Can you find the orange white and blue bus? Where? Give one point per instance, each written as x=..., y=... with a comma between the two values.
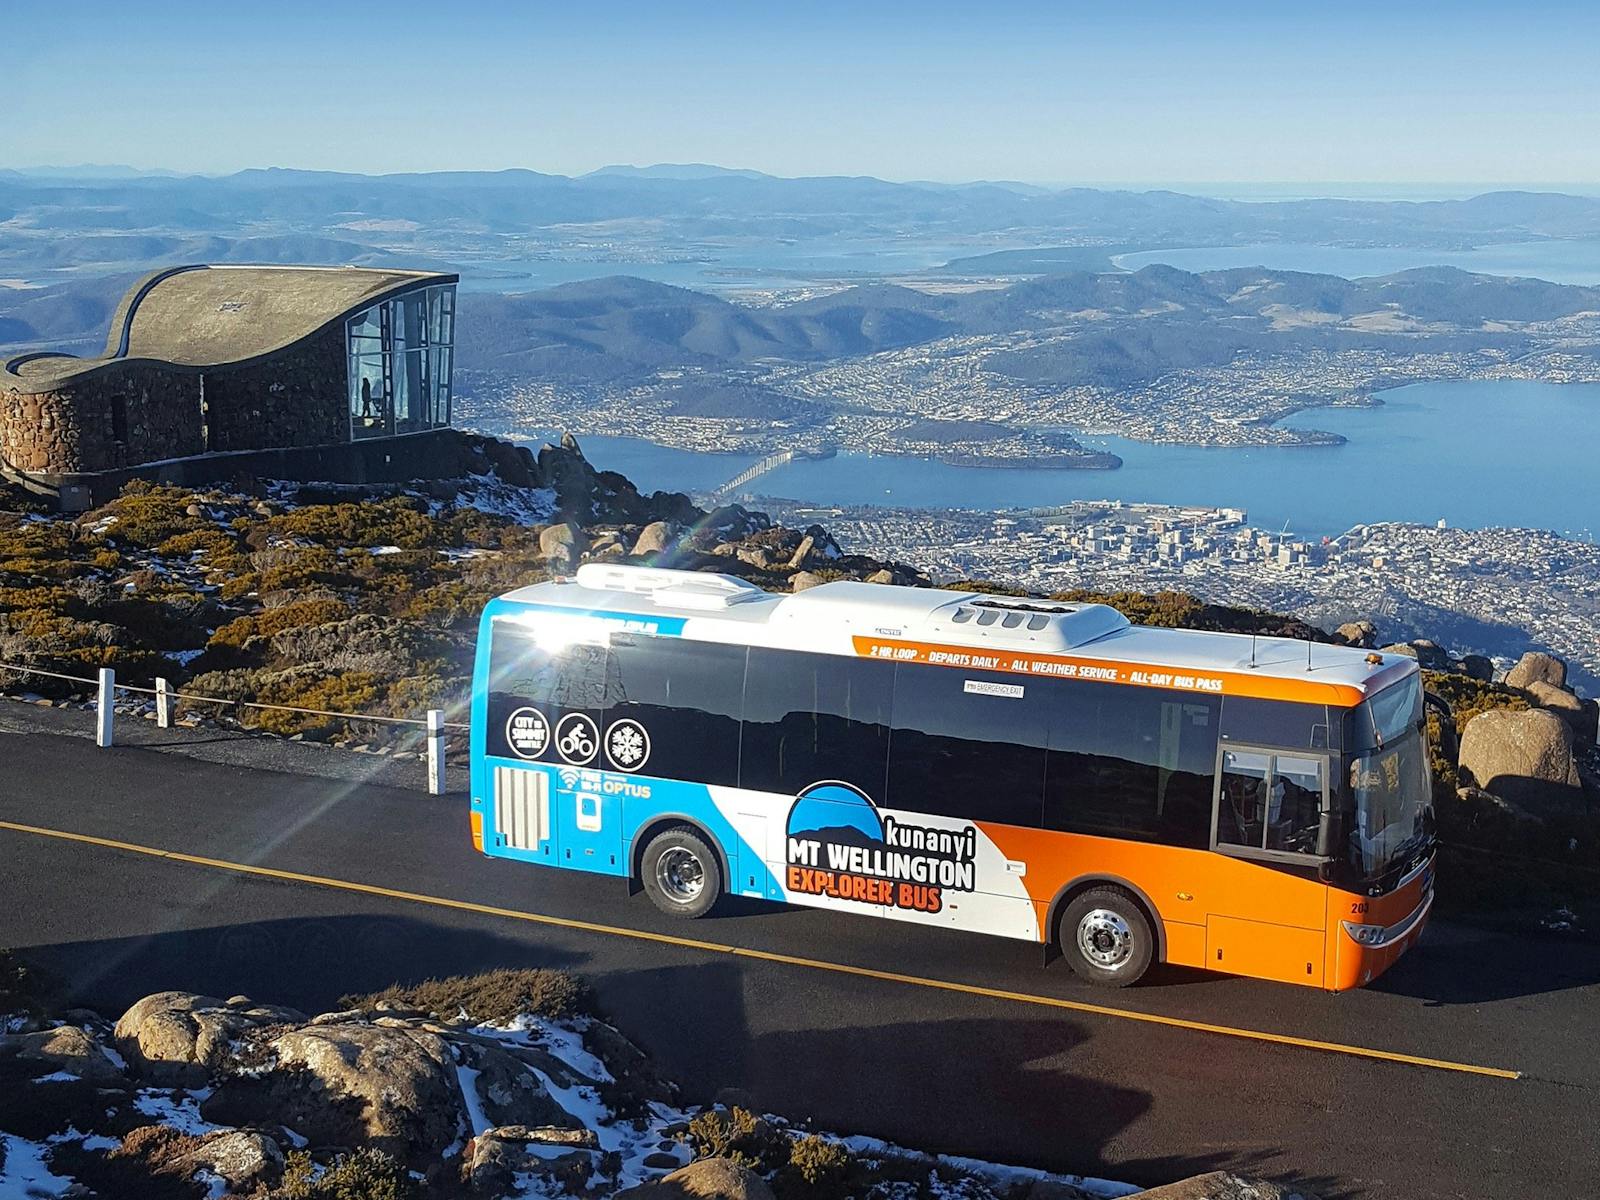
x=1037, y=770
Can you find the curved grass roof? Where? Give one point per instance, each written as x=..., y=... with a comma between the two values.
x=195, y=317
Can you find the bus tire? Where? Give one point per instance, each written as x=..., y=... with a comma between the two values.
x=1106, y=938
x=680, y=873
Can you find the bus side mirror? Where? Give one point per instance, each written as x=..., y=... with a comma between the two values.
x=1328, y=833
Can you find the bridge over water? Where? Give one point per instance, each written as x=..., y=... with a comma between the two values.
x=768, y=464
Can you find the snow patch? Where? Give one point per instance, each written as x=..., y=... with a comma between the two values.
x=467, y=1080
x=25, y=1172
x=181, y=1110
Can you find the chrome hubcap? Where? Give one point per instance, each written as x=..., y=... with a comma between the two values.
x=680, y=875
x=1105, y=939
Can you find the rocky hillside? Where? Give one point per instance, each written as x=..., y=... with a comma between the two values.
x=345, y=598
x=486, y=1088
x=366, y=600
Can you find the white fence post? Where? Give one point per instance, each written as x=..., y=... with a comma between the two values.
x=107, y=707
x=163, y=704
x=435, y=752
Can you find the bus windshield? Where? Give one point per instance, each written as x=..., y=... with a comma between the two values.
x=1390, y=782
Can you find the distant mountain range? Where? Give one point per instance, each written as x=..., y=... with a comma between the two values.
x=699, y=200
x=1125, y=326
x=1132, y=325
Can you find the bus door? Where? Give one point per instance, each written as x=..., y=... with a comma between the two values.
x=1268, y=915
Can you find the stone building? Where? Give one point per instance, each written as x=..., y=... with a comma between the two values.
x=272, y=370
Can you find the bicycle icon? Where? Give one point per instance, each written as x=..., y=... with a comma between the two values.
x=577, y=739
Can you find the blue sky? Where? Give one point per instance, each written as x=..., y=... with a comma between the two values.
x=1060, y=92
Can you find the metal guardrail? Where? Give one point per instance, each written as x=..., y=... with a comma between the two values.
x=106, y=687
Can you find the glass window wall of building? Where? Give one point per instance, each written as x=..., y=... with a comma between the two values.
x=401, y=354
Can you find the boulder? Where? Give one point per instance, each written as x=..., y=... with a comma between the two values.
x=654, y=538
x=65, y=1049
x=509, y=1093
x=822, y=544
x=803, y=552
x=1429, y=654
x=1537, y=667
x=1563, y=703
x=704, y=1179
x=635, y=1074
x=1433, y=656
x=1357, y=633
x=565, y=470
x=732, y=522
x=1478, y=667
x=340, y=1085
x=1221, y=1185
x=240, y=1158
x=561, y=545
x=883, y=575
x=801, y=580
x=181, y=1037
x=755, y=556
x=496, y=1157
x=1524, y=757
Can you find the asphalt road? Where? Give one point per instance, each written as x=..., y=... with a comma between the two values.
x=961, y=1070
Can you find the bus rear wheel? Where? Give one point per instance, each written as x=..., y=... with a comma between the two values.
x=1106, y=938
x=680, y=873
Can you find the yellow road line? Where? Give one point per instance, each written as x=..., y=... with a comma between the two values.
x=943, y=985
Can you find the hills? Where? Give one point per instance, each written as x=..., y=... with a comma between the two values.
x=1129, y=325
x=1121, y=327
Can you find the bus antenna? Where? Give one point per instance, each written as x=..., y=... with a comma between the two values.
x=1252, y=650
x=1308, y=656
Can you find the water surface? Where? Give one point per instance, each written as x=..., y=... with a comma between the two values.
x=1471, y=453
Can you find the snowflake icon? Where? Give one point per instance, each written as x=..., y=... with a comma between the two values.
x=627, y=745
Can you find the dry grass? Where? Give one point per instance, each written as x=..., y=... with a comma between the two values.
x=492, y=996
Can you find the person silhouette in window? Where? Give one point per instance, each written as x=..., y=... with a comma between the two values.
x=367, y=415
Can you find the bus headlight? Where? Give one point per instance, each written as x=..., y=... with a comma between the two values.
x=1367, y=935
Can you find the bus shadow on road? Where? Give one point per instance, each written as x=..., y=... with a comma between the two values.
x=870, y=1059
x=305, y=963
x=1459, y=964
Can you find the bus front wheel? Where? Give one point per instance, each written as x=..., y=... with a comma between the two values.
x=680, y=873
x=1106, y=938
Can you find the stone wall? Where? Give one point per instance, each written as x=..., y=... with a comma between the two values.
x=295, y=398
x=75, y=427
x=433, y=454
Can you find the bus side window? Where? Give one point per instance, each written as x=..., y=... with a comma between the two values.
x=1131, y=762
x=968, y=744
x=1270, y=801
x=687, y=696
x=524, y=674
x=1241, y=818
x=812, y=717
